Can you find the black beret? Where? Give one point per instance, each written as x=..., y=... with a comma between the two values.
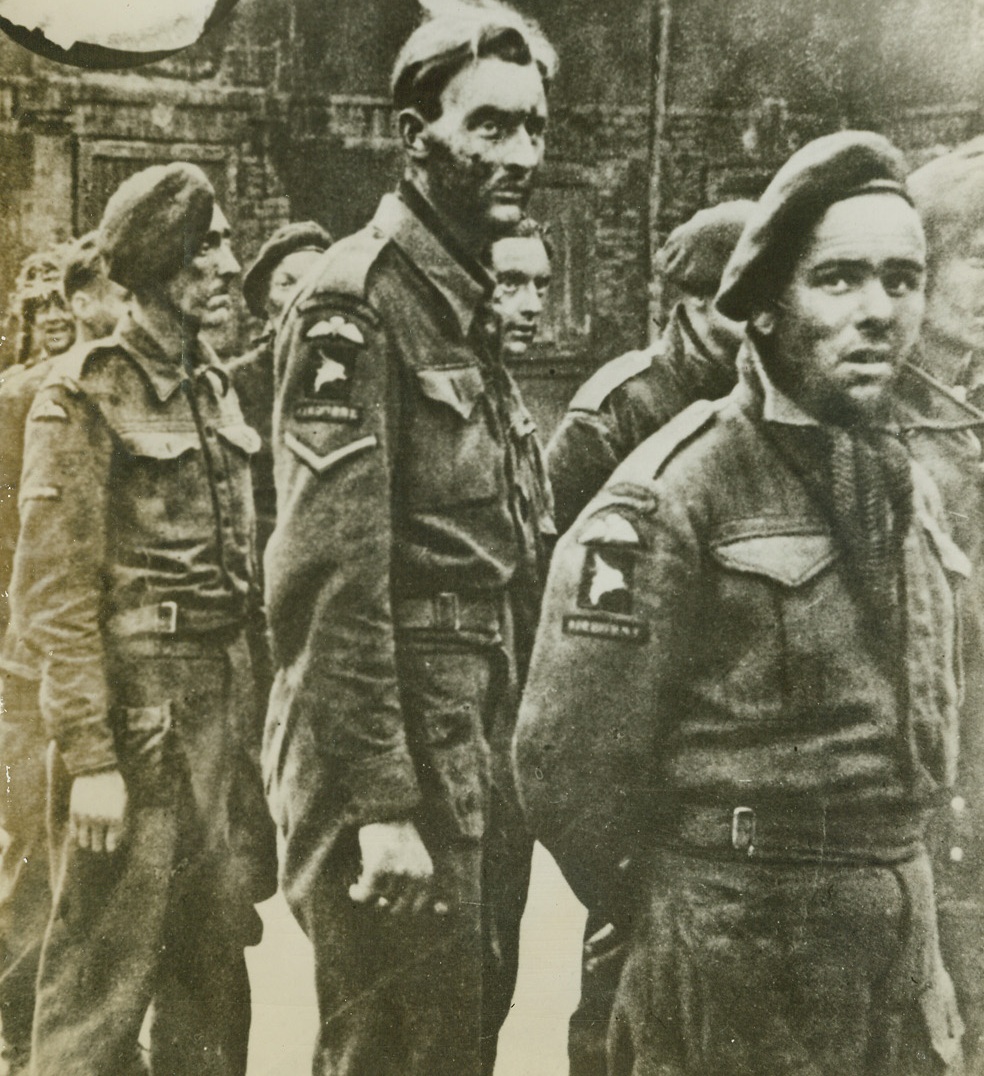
x=949, y=194
x=695, y=253
x=154, y=223
x=827, y=170
x=301, y=235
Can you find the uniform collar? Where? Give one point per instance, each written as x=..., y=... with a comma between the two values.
x=776, y=405
x=163, y=370
x=414, y=225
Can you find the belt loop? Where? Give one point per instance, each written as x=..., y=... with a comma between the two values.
x=447, y=612
x=743, y=830
x=167, y=618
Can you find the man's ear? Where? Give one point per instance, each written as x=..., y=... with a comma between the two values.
x=413, y=133
x=79, y=304
x=763, y=321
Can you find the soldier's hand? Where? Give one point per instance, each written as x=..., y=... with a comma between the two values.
x=603, y=947
x=97, y=810
x=396, y=868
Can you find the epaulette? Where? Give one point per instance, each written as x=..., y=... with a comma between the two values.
x=923, y=402
x=603, y=382
x=71, y=367
x=344, y=267
x=646, y=463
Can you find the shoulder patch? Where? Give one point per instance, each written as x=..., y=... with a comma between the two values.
x=608, y=527
x=336, y=327
x=648, y=461
x=603, y=382
x=334, y=345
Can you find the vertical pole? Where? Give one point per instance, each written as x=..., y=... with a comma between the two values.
x=660, y=23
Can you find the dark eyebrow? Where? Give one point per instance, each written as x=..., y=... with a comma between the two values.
x=500, y=115
x=866, y=263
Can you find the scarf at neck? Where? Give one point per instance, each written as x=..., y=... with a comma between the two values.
x=860, y=477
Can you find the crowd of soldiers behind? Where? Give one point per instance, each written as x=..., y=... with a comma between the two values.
x=317, y=589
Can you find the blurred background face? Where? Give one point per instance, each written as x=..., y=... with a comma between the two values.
x=53, y=325
x=721, y=334
x=521, y=268
x=38, y=270
x=98, y=307
x=851, y=312
x=955, y=297
x=285, y=278
x=199, y=291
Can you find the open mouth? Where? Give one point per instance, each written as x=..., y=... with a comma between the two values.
x=870, y=356
x=511, y=195
x=58, y=333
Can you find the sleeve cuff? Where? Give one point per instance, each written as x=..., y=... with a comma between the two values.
x=383, y=789
x=90, y=749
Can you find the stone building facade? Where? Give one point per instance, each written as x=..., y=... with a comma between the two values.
x=660, y=107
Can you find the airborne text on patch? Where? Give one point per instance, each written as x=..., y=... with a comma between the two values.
x=324, y=411
x=630, y=631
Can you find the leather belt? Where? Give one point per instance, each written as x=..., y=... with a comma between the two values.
x=791, y=832
x=451, y=612
x=168, y=618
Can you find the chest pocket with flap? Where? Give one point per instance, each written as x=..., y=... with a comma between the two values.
x=789, y=559
x=776, y=591
x=450, y=454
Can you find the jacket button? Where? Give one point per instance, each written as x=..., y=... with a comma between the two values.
x=956, y=854
x=959, y=804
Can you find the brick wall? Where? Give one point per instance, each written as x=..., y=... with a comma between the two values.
x=285, y=106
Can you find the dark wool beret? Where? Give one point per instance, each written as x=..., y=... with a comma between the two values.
x=695, y=254
x=827, y=170
x=154, y=223
x=949, y=194
x=301, y=235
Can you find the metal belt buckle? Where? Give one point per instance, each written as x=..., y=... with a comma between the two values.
x=447, y=612
x=167, y=618
x=743, y=829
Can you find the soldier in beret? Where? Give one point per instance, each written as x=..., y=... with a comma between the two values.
x=949, y=194
x=745, y=679
x=25, y=896
x=268, y=284
x=407, y=531
x=133, y=578
x=631, y=396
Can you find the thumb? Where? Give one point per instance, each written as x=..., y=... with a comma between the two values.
x=360, y=892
